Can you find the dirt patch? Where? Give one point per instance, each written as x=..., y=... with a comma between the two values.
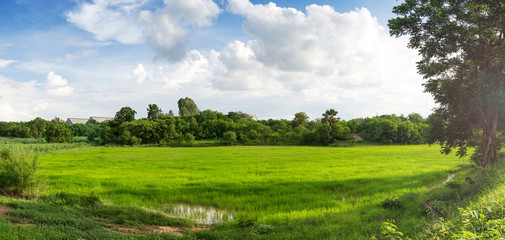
x=4, y=210
x=146, y=229
x=25, y=222
x=125, y=230
x=168, y=229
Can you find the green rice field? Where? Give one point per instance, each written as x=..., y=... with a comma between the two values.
x=294, y=192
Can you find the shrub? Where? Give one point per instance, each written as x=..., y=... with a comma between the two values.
x=189, y=138
x=18, y=172
x=229, y=137
x=59, y=133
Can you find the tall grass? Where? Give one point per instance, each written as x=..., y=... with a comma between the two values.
x=18, y=172
x=40, y=145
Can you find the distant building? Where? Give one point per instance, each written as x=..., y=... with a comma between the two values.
x=101, y=119
x=72, y=121
x=252, y=116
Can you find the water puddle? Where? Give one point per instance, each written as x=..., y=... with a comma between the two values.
x=199, y=214
x=449, y=178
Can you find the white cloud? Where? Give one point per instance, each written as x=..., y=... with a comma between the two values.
x=57, y=85
x=192, y=71
x=345, y=60
x=5, y=63
x=165, y=30
x=17, y=100
x=139, y=73
x=55, y=80
x=109, y=19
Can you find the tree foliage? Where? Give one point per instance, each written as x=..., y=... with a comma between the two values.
x=153, y=111
x=125, y=114
x=462, y=46
x=231, y=128
x=187, y=107
x=58, y=132
x=300, y=119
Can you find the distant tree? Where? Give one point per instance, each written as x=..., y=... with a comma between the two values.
x=125, y=114
x=92, y=121
x=187, y=107
x=235, y=116
x=171, y=113
x=415, y=117
x=58, y=132
x=37, y=127
x=153, y=111
x=300, y=119
x=330, y=117
x=57, y=120
x=230, y=137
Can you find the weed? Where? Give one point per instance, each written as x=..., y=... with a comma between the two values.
x=71, y=199
x=391, y=203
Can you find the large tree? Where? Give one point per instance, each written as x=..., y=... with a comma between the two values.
x=125, y=114
x=153, y=111
x=187, y=107
x=462, y=48
x=300, y=119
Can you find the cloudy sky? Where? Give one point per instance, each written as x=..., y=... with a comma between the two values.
x=81, y=58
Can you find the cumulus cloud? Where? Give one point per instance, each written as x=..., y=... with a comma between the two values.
x=343, y=59
x=139, y=73
x=57, y=85
x=165, y=30
x=109, y=19
x=5, y=63
x=191, y=71
x=17, y=99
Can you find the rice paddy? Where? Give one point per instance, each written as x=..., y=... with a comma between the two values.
x=317, y=191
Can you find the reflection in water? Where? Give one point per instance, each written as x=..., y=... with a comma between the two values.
x=199, y=214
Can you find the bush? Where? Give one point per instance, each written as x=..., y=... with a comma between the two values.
x=230, y=137
x=18, y=172
x=189, y=138
x=59, y=133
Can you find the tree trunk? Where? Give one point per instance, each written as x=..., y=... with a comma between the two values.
x=490, y=123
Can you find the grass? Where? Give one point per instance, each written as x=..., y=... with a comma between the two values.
x=271, y=192
x=40, y=145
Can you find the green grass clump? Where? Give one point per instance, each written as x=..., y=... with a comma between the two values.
x=18, y=172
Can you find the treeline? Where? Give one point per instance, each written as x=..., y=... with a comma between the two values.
x=56, y=130
x=231, y=128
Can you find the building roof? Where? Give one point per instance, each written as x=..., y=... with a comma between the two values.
x=252, y=116
x=73, y=121
x=101, y=119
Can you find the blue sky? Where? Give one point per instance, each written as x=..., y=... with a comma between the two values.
x=89, y=58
